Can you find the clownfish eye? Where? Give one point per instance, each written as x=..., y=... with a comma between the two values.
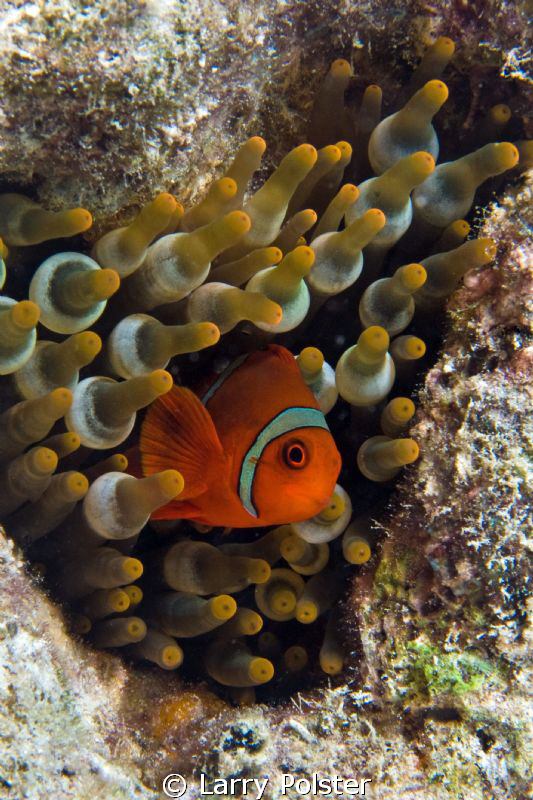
x=295, y=454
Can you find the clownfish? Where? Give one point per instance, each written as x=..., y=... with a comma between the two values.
x=255, y=450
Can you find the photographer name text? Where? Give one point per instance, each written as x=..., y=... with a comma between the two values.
x=254, y=788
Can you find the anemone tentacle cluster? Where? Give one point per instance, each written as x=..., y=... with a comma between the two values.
x=244, y=267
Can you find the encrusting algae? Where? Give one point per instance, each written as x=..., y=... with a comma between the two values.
x=241, y=440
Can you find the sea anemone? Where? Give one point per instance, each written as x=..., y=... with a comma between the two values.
x=166, y=255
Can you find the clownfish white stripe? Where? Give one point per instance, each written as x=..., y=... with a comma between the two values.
x=290, y=419
x=223, y=377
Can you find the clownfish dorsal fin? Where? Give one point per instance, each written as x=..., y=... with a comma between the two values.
x=178, y=433
x=283, y=354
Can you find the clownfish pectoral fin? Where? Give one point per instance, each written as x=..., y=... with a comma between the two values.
x=178, y=433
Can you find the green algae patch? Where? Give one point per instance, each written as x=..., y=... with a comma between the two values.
x=435, y=672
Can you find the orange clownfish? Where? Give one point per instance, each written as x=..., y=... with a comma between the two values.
x=255, y=450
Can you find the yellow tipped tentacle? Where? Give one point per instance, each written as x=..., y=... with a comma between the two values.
x=355, y=547
x=222, y=607
x=124, y=398
x=115, y=463
x=226, y=306
x=525, y=154
x=494, y=122
x=218, y=201
x=124, y=248
x=160, y=649
x=173, y=340
x=72, y=291
x=245, y=622
x=310, y=361
x=365, y=372
x=134, y=593
x=408, y=172
x=31, y=420
x=200, y=568
x=16, y=321
x=81, y=290
x=452, y=236
x=303, y=557
x=319, y=376
x=294, y=229
x=104, y=602
x=118, y=632
x=118, y=506
x=337, y=208
x=434, y=61
x=266, y=548
x=407, y=348
x=331, y=521
x=445, y=270
x=327, y=186
x=388, y=302
x=63, y=444
x=428, y=100
x=319, y=594
x=327, y=158
x=230, y=663
x=187, y=615
x=277, y=597
x=331, y=656
x=411, y=277
x=396, y=416
x=137, y=498
x=293, y=548
x=103, y=410
x=408, y=130
x=284, y=284
x=24, y=222
x=328, y=118
x=102, y=568
x=338, y=258
x=177, y=264
x=18, y=336
x=391, y=192
x=245, y=163
x=362, y=230
x=334, y=509
x=235, y=273
x=140, y=343
x=36, y=520
x=367, y=119
x=57, y=364
x=449, y=192
x=381, y=458
x=268, y=206
x=371, y=346
x=26, y=478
